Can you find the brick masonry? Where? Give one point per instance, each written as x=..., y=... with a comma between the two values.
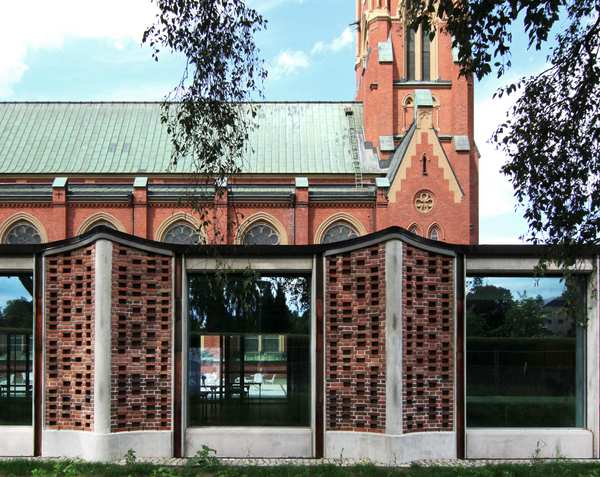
x=355, y=341
x=69, y=323
x=142, y=329
x=428, y=331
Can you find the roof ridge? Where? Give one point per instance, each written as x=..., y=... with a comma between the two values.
x=160, y=102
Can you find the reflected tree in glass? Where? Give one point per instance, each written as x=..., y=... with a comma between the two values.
x=16, y=350
x=248, y=355
x=525, y=352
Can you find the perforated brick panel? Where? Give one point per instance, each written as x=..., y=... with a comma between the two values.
x=355, y=334
x=428, y=330
x=141, y=340
x=69, y=321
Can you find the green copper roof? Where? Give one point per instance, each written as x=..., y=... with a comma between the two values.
x=128, y=138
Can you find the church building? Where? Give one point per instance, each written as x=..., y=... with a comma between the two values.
x=402, y=154
x=337, y=305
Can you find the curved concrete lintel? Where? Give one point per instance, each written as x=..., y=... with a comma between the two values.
x=390, y=449
x=106, y=447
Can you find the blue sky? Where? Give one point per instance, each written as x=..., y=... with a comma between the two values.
x=527, y=287
x=11, y=289
x=74, y=50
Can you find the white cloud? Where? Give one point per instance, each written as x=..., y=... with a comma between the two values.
x=340, y=42
x=28, y=25
x=289, y=62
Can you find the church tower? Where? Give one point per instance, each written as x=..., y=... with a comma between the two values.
x=418, y=117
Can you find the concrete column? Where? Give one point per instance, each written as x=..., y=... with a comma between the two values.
x=393, y=337
x=592, y=351
x=102, y=336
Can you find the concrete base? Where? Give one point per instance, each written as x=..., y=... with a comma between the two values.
x=267, y=442
x=16, y=441
x=388, y=448
x=528, y=443
x=106, y=447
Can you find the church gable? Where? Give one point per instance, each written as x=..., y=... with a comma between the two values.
x=419, y=152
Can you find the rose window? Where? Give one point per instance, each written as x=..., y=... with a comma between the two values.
x=424, y=202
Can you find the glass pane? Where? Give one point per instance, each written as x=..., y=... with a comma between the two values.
x=239, y=376
x=426, y=55
x=338, y=232
x=16, y=350
x=525, y=360
x=22, y=233
x=410, y=52
x=183, y=234
x=261, y=234
x=251, y=343
x=102, y=223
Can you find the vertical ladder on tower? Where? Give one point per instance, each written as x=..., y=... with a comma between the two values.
x=358, y=176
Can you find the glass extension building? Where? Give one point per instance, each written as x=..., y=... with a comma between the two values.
x=388, y=347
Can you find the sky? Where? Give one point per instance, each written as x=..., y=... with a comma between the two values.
x=91, y=50
x=548, y=288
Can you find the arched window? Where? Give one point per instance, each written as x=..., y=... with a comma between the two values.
x=410, y=54
x=425, y=55
x=182, y=233
x=435, y=233
x=339, y=231
x=261, y=233
x=414, y=229
x=101, y=223
x=417, y=44
x=22, y=233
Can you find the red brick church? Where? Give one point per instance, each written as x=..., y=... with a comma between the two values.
x=402, y=154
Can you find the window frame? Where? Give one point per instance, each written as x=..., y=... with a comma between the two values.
x=506, y=264
x=21, y=439
x=20, y=223
x=237, y=436
x=337, y=223
x=581, y=374
x=180, y=223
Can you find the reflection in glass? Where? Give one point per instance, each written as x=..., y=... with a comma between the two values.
x=249, y=354
x=16, y=350
x=525, y=352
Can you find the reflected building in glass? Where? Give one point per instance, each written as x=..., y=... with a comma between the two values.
x=16, y=350
x=248, y=355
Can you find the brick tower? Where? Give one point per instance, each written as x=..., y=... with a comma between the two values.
x=419, y=118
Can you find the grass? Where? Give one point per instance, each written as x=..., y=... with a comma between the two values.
x=74, y=468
